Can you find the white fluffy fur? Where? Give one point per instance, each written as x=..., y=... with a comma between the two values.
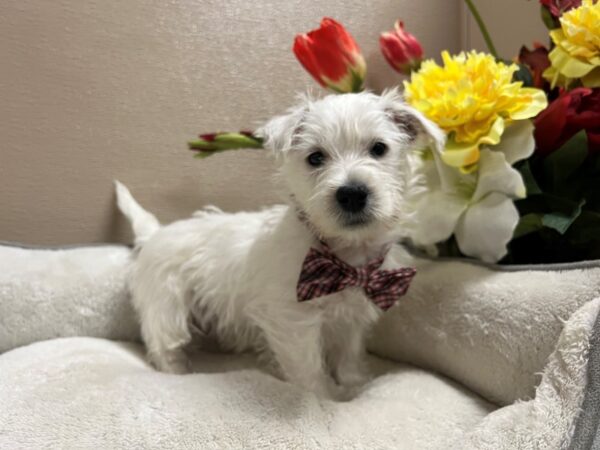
x=232, y=278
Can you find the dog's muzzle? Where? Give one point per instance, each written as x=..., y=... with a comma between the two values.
x=353, y=201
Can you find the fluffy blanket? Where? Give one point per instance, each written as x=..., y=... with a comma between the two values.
x=521, y=339
x=46, y=294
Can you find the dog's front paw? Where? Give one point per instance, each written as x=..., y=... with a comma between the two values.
x=343, y=393
x=333, y=391
x=173, y=361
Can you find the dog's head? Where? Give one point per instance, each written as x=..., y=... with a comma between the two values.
x=344, y=160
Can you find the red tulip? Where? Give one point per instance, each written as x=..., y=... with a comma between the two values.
x=332, y=57
x=571, y=112
x=401, y=49
x=211, y=143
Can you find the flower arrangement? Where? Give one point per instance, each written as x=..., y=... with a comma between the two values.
x=519, y=178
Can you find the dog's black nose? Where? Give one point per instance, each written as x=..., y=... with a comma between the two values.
x=352, y=197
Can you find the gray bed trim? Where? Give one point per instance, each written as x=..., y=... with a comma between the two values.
x=60, y=247
x=587, y=432
x=519, y=267
x=499, y=268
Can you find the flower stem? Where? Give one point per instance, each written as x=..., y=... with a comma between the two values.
x=484, y=31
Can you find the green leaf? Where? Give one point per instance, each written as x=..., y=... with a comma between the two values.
x=562, y=222
x=237, y=140
x=531, y=184
x=224, y=141
x=596, y=164
x=586, y=229
x=548, y=19
x=556, y=203
x=523, y=74
x=357, y=82
x=563, y=163
x=200, y=144
x=529, y=223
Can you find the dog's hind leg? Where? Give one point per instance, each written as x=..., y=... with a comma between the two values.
x=165, y=331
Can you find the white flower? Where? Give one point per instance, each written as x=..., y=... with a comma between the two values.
x=476, y=207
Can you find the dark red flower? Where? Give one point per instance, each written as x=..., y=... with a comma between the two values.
x=571, y=112
x=401, y=49
x=537, y=61
x=558, y=7
x=332, y=57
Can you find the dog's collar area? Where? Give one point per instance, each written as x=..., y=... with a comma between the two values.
x=303, y=218
x=326, y=248
x=323, y=273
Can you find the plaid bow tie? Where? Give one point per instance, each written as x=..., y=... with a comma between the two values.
x=324, y=273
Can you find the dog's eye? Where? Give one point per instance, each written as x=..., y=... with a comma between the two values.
x=378, y=149
x=316, y=159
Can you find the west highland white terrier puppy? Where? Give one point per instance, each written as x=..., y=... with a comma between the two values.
x=301, y=283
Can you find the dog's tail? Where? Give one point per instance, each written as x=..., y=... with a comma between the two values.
x=143, y=223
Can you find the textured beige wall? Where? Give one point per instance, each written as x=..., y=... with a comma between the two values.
x=93, y=90
x=511, y=23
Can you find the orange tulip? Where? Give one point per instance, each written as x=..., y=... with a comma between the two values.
x=332, y=57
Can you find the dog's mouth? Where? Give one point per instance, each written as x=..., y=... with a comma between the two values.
x=356, y=220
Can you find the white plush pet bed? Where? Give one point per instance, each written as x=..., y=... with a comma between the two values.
x=475, y=358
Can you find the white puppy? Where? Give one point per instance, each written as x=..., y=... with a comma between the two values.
x=233, y=277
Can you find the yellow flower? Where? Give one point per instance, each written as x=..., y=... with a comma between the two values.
x=577, y=51
x=473, y=98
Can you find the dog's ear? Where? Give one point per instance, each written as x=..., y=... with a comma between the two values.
x=419, y=129
x=278, y=133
